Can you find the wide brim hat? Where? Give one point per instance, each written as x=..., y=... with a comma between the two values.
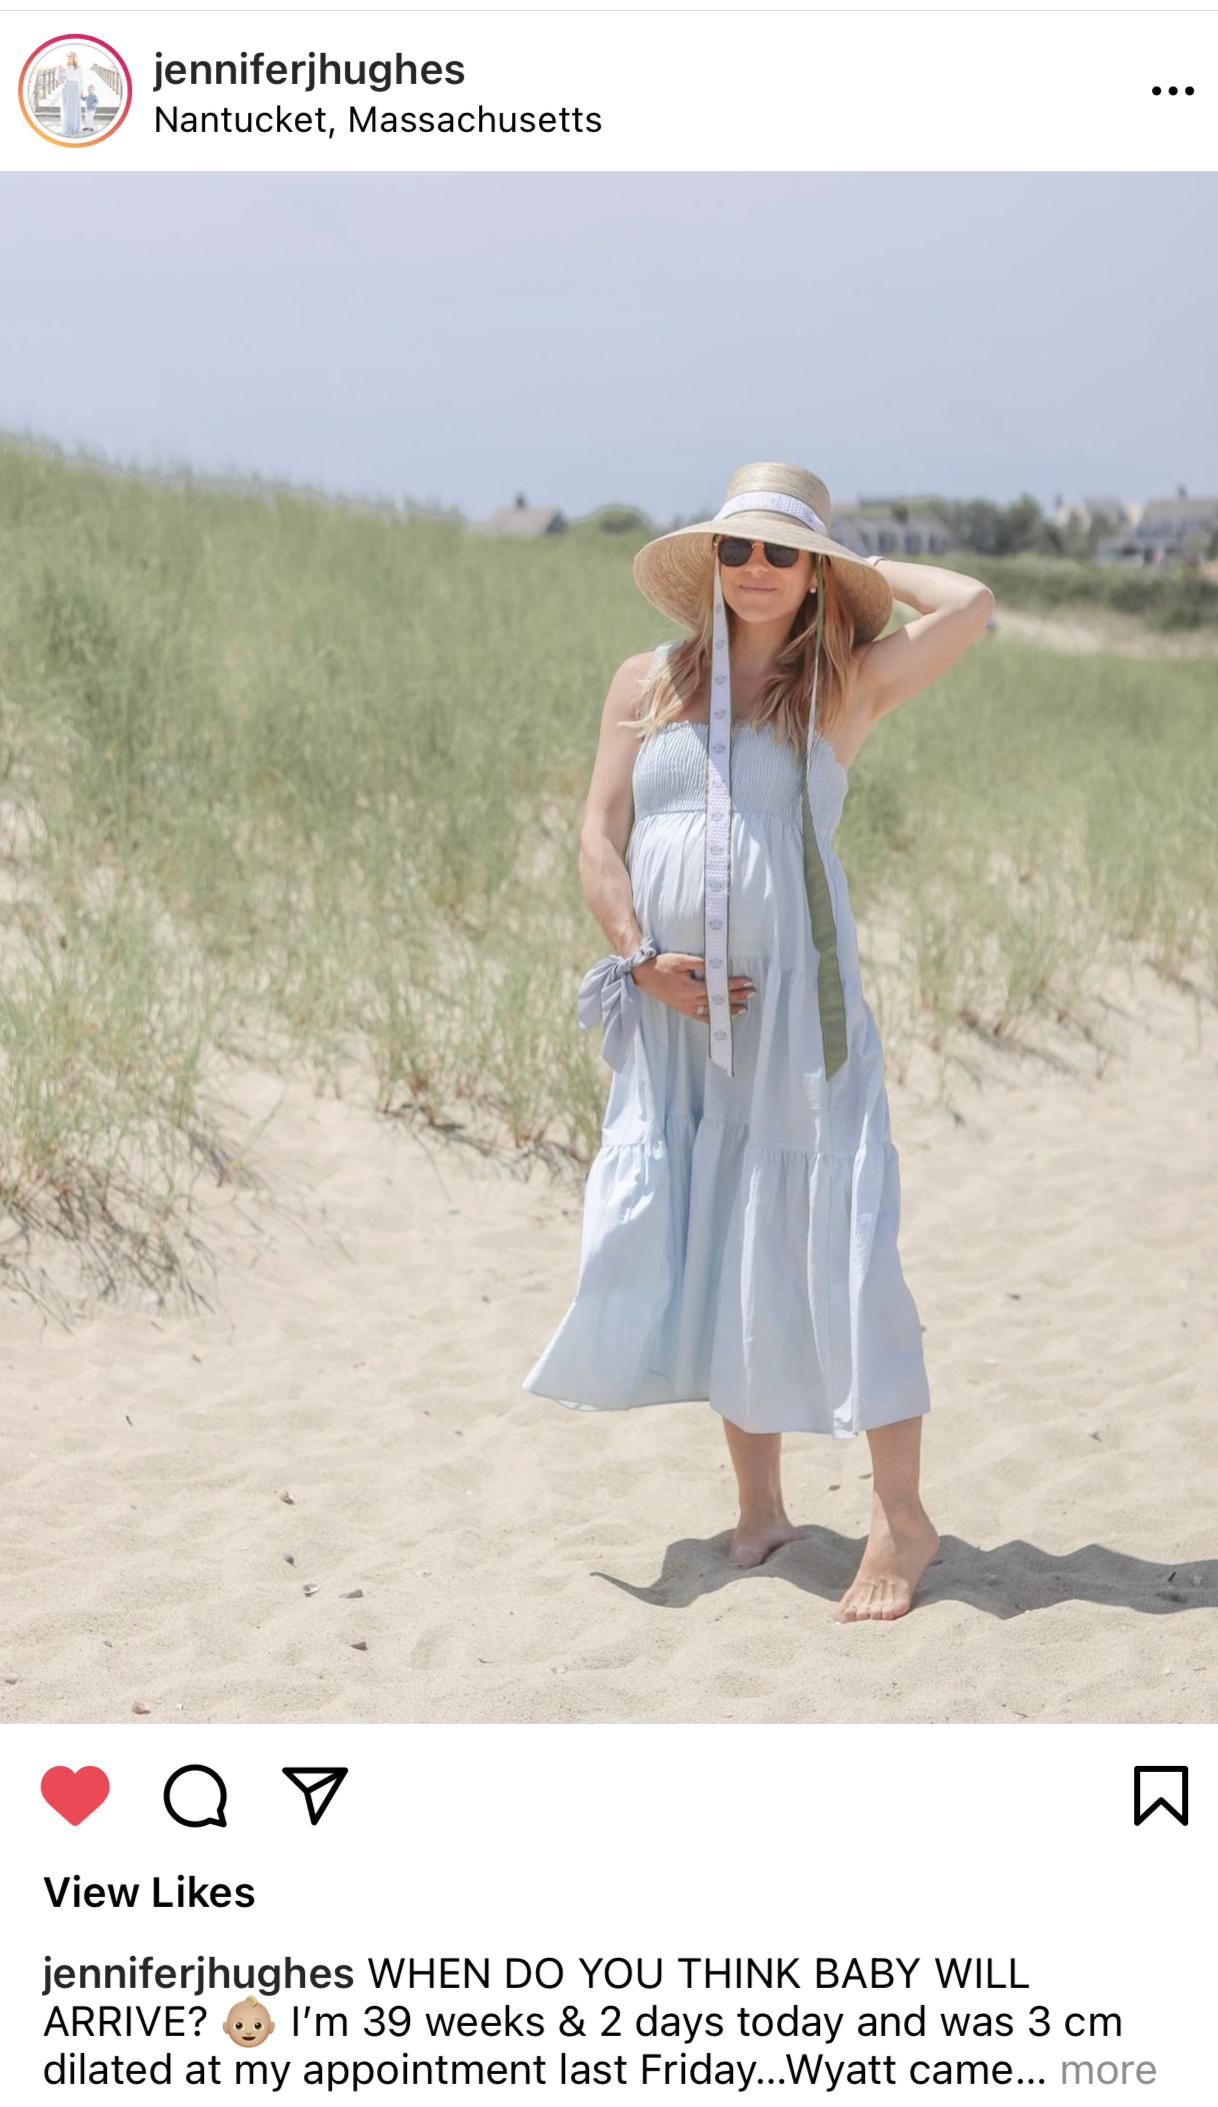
x=764, y=501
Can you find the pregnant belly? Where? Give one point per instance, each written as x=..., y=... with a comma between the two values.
x=667, y=866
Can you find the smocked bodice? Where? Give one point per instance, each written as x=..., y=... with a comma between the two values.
x=670, y=775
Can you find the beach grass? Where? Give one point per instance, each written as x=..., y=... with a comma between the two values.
x=287, y=781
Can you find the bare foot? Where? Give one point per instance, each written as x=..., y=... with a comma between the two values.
x=754, y=1540
x=894, y=1561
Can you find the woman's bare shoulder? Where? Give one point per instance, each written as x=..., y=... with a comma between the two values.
x=626, y=687
x=610, y=795
x=637, y=666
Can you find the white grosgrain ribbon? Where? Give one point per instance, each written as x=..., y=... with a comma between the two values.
x=830, y=999
x=773, y=501
x=718, y=840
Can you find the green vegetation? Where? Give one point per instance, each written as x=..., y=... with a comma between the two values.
x=1170, y=599
x=287, y=782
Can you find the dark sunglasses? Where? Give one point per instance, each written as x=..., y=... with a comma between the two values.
x=734, y=551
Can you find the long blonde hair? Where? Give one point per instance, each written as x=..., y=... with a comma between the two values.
x=786, y=698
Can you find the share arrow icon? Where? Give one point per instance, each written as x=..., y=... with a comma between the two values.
x=318, y=1787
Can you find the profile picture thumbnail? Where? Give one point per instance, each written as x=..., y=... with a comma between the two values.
x=75, y=91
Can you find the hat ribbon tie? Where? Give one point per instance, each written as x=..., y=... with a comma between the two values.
x=830, y=999
x=773, y=501
x=718, y=839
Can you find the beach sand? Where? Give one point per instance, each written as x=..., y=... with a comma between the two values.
x=375, y=1308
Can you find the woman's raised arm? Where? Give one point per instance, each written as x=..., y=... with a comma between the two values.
x=953, y=610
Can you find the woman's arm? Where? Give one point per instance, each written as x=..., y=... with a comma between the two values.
x=953, y=610
x=609, y=812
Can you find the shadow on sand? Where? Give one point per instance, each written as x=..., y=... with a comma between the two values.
x=1007, y=1581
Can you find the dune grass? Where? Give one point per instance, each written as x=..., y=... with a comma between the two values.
x=1028, y=820
x=1178, y=598
x=284, y=780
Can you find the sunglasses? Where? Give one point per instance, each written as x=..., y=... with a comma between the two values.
x=734, y=551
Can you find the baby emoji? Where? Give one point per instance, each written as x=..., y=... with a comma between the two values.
x=249, y=2024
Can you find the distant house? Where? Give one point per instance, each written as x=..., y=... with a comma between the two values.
x=524, y=521
x=1170, y=530
x=1083, y=511
x=883, y=534
x=1126, y=511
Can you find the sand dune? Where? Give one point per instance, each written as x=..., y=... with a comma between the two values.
x=1088, y=630
x=374, y=1311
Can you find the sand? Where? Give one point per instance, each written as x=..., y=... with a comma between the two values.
x=1085, y=631
x=375, y=1308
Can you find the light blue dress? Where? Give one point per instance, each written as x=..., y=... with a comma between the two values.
x=70, y=107
x=740, y=1231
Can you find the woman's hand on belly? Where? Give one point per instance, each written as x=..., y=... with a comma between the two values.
x=679, y=979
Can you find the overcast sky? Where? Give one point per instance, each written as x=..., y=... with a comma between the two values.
x=633, y=337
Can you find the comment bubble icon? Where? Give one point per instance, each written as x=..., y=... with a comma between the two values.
x=195, y=1797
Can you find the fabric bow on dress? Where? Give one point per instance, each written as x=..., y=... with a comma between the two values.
x=608, y=995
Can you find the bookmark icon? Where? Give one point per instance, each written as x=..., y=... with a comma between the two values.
x=1160, y=1785
x=318, y=1787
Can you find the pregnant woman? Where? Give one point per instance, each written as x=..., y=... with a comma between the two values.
x=69, y=101
x=740, y=1218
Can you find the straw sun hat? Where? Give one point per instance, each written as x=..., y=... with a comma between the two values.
x=765, y=501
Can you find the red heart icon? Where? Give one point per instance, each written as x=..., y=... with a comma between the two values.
x=75, y=1794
